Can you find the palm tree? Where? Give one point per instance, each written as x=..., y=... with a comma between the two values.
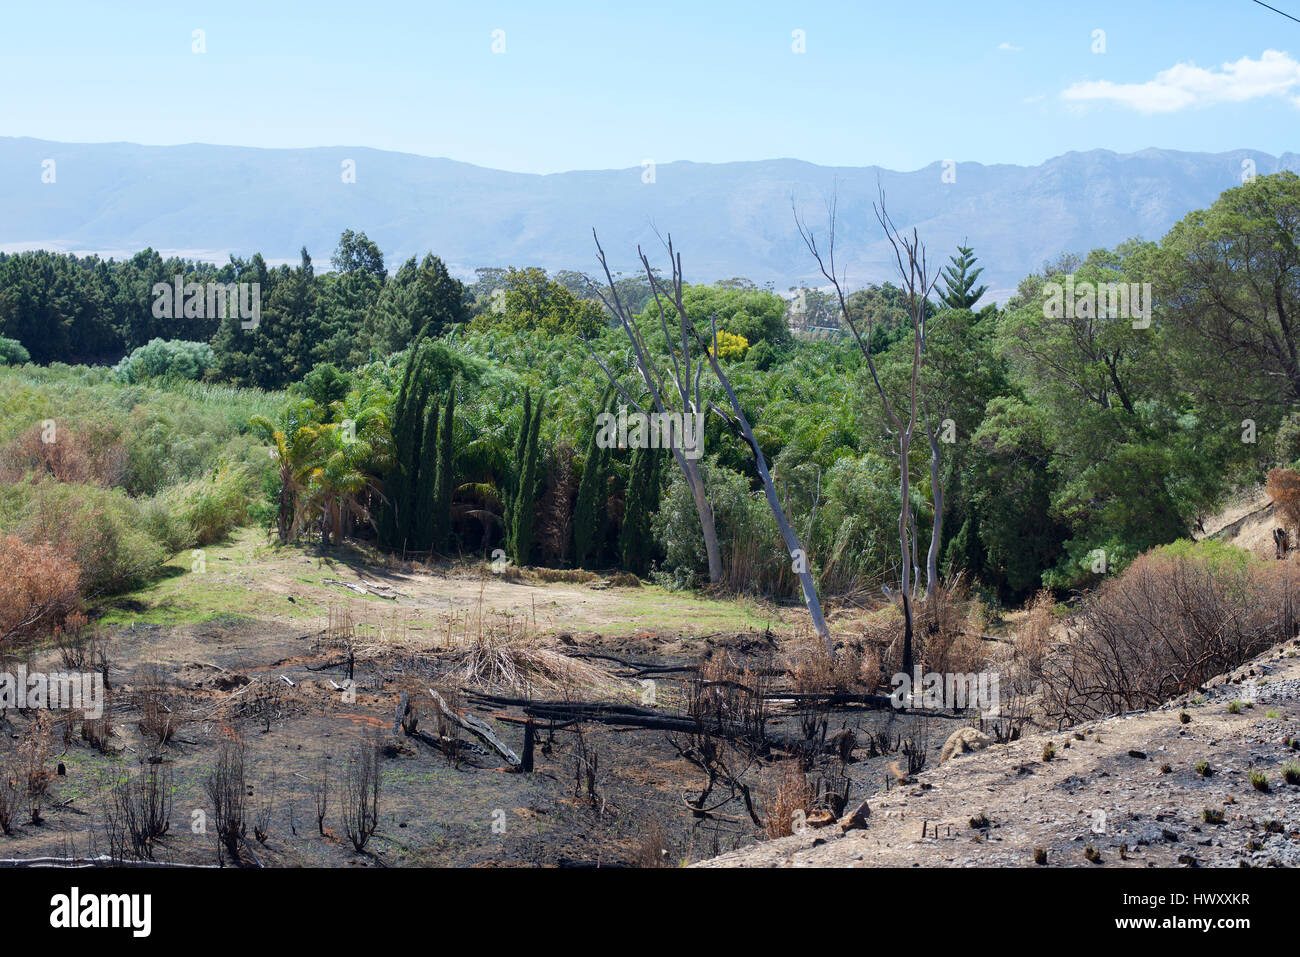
x=351, y=451
x=293, y=440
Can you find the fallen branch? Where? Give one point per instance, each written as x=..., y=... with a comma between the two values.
x=365, y=588
x=478, y=728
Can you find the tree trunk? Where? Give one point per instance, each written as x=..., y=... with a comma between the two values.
x=705, y=511
x=936, y=531
x=905, y=542
x=792, y=546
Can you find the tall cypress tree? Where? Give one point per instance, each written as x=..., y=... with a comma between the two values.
x=591, y=494
x=444, y=480
x=426, y=504
x=635, y=544
x=520, y=442
x=521, y=518
x=407, y=424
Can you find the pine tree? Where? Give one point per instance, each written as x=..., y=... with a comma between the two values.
x=959, y=281
x=591, y=494
x=444, y=480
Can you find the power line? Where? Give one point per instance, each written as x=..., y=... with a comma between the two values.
x=1276, y=10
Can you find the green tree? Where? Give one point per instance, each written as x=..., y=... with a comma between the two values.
x=423, y=299
x=636, y=543
x=592, y=487
x=521, y=514
x=444, y=478
x=959, y=278
x=426, y=498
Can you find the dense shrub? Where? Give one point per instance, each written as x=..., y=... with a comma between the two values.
x=38, y=587
x=166, y=359
x=92, y=455
x=753, y=557
x=202, y=511
x=12, y=352
x=102, y=531
x=1174, y=618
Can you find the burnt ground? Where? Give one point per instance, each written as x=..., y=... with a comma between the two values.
x=254, y=650
x=1134, y=790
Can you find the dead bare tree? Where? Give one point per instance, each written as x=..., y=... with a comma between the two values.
x=140, y=812
x=360, y=797
x=684, y=396
x=320, y=791
x=738, y=422
x=668, y=300
x=917, y=284
x=227, y=789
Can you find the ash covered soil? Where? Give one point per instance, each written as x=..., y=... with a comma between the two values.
x=246, y=647
x=1126, y=791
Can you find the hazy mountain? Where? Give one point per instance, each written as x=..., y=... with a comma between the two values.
x=728, y=219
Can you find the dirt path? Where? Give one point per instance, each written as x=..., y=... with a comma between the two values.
x=1129, y=789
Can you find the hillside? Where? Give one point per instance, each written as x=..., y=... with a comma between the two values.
x=730, y=219
x=1127, y=786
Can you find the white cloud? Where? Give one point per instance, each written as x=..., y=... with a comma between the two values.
x=1186, y=85
x=1005, y=45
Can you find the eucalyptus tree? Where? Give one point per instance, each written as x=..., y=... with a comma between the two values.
x=901, y=421
x=668, y=299
x=675, y=388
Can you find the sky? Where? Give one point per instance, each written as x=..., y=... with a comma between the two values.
x=548, y=87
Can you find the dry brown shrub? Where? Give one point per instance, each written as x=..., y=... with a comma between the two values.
x=882, y=637
x=1166, y=625
x=11, y=792
x=98, y=732
x=94, y=455
x=1033, y=638
x=945, y=643
x=38, y=588
x=652, y=849
x=1283, y=488
x=578, y=575
x=791, y=801
x=33, y=760
x=158, y=722
x=814, y=671
x=728, y=698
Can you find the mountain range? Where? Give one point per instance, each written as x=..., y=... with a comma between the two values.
x=727, y=219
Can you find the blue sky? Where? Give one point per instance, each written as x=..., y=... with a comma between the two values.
x=608, y=85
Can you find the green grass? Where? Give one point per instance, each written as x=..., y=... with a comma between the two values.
x=232, y=587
